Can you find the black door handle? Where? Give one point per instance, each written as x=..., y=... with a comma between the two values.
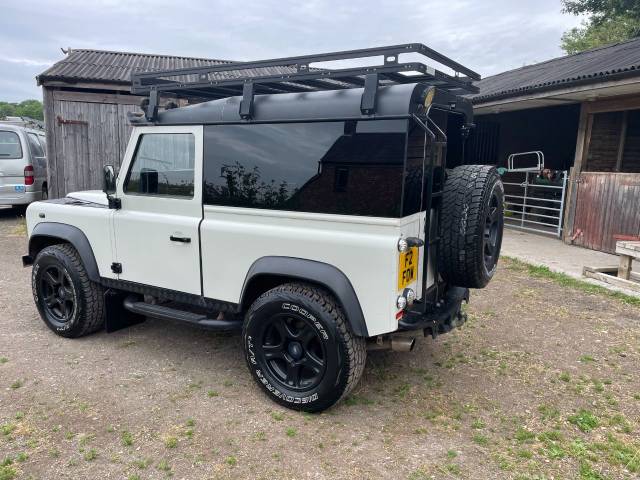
x=180, y=239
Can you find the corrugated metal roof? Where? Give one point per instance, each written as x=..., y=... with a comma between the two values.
x=116, y=67
x=592, y=66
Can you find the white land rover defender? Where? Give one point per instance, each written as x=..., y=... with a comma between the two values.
x=318, y=211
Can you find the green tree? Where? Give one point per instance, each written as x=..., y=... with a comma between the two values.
x=609, y=21
x=26, y=108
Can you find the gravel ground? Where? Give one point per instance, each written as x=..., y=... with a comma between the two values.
x=541, y=383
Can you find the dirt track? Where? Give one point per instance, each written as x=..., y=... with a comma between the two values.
x=543, y=382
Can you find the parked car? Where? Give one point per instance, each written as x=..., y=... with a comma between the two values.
x=320, y=223
x=23, y=165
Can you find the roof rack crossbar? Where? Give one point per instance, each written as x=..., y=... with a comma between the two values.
x=298, y=74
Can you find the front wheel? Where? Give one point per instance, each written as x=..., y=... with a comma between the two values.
x=300, y=349
x=69, y=303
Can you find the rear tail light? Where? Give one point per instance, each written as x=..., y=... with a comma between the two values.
x=28, y=175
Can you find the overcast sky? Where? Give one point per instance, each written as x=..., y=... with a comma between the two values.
x=489, y=36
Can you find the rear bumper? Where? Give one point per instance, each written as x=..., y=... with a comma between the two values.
x=19, y=198
x=441, y=319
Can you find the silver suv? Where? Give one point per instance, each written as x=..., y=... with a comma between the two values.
x=23, y=165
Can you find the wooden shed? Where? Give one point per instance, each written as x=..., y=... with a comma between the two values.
x=86, y=99
x=582, y=112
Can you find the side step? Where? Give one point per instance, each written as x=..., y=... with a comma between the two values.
x=166, y=313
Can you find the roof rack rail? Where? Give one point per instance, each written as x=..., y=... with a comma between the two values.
x=297, y=74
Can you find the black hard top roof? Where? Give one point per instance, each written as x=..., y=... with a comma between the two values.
x=393, y=101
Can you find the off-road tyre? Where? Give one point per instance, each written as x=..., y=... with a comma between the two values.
x=311, y=310
x=87, y=315
x=471, y=225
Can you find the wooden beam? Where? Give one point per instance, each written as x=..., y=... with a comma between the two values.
x=624, y=269
x=610, y=279
x=88, y=97
x=615, y=104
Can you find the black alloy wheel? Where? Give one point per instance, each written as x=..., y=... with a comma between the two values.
x=58, y=294
x=294, y=352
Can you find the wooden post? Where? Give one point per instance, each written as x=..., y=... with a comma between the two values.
x=582, y=148
x=49, y=125
x=624, y=270
x=622, y=141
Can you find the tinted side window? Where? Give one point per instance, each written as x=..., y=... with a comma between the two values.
x=324, y=167
x=162, y=165
x=10, y=147
x=34, y=145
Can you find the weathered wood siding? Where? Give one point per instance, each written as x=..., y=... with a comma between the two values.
x=85, y=131
x=606, y=205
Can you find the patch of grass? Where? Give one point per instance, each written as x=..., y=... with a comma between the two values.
x=3, y=360
x=478, y=424
x=8, y=473
x=291, y=432
x=402, y=390
x=480, y=439
x=22, y=457
x=352, y=400
x=419, y=474
x=164, y=466
x=142, y=463
x=91, y=455
x=19, y=415
x=574, y=283
x=548, y=412
x=171, y=442
x=524, y=436
x=7, y=428
x=277, y=416
x=586, y=359
x=620, y=453
x=17, y=384
x=261, y=436
x=524, y=453
x=453, y=469
x=127, y=438
x=212, y=393
x=452, y=454
x=584, y=420
x=565, y=377
x=190, y=422
x=133, y=476
x=621, y=423
x=227, y=383
x=231, y=461
x=21, y=228
x=588, y=473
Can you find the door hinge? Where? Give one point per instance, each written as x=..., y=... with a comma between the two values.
x=116, y=267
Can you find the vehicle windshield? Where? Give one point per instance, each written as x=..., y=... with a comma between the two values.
x=10, y=147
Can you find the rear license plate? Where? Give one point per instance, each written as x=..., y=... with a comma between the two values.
x=407, y=267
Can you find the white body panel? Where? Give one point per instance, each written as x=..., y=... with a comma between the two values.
x=95, y=223
x=363, y=248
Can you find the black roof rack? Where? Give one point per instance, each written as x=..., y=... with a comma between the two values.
x=296, y=74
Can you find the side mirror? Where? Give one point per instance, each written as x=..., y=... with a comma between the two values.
x=108, y=180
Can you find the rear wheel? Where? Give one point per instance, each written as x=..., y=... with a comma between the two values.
x=300, y=349
x=69, y=303
x=471, y=226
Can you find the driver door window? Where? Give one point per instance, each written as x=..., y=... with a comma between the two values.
x=163, y=164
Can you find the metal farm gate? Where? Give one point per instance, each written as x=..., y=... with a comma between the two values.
x=534, y=197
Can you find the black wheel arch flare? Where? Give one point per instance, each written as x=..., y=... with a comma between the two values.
x=51, y=233
x=267, y=272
